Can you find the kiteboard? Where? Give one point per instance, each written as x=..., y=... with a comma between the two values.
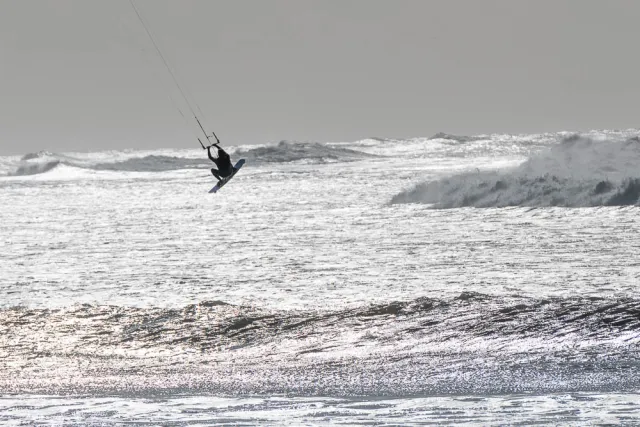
x=226, y=179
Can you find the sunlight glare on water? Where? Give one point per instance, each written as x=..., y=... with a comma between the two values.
x=324, y=283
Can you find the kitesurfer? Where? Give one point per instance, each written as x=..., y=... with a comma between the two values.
x=222, y=161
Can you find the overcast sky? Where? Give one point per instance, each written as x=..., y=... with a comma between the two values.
x=83, y=75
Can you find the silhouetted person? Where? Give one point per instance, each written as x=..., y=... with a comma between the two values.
x=223, y=163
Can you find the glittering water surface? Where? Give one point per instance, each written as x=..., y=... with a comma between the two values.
x=323, y=284
x=554, y=409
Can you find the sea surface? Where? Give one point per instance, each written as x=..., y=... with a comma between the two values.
x=472, y=280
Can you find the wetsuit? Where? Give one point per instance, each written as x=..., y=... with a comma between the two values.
x=223, y=163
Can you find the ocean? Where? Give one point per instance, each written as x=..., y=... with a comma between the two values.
x=468, y=280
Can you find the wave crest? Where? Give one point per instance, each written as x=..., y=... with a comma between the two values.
x=288, y=151
x=458, y=138
x=33, y=164
x=216, y=324
x=500, y=343
x=36, y=168
x=153, y=163
x=578, y=172
x=38, y=155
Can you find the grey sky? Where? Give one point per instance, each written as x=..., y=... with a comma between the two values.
x=82, y=75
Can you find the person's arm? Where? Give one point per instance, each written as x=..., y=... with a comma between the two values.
x=209, y=153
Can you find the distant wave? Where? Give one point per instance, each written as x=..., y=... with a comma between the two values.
x=287, y=151
x=578, y=172
x=459, y=138
x=42, y=162
x=36, y=168
x=39, y=162
x=154, y=163
x=38, y=155
x=150, y=163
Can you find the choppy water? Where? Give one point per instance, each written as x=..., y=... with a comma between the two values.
x=325, y=284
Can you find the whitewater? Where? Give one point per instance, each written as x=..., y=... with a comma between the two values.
x=474, y=280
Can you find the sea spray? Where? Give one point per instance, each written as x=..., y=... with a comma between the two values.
x=578, y=172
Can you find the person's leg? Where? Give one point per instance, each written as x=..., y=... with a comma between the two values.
x=226, y=172
x=218, y=164
x=214, y=172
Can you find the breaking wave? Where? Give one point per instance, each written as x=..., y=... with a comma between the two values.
x=578, y=172
x=287, y=151
x=36, y=168
x=38, y=155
